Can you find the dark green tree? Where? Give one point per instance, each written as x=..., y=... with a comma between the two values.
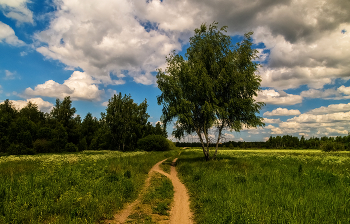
x=7, y=116
x=214, y=87
x=89, y=127
x=126, y=121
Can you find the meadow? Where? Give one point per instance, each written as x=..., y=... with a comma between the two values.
x=268, y=186
x=85, y=187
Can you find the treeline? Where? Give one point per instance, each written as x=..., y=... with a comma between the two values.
x=30, y=131
x=285, y=142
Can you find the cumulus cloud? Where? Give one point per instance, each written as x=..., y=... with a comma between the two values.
x=269, y=126
x=329, y=94
x=306, y=40
x=271, y=96
x=333, y=108
x=17, y=10
x=272, y=121
x=79, y=86
x=104, y=38
x=282, y=112
x=8, y=36
x=315, y=93
x=42, y=105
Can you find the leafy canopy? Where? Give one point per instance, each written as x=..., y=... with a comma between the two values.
x=214, y=87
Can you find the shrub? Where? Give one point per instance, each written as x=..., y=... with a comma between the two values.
x=332, y=146
x=82, y=146
x=153, y=143
x=42, y=146
x=71, y=147
x=20, y=149
x=171, y=145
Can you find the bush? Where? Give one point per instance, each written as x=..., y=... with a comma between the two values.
x=171, y=145
x=20, y=149
x=42, y=146
x=71, y=147
x=332, y=146
x=153, y=143
x=82, y=146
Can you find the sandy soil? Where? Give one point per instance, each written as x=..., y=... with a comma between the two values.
x=180, y=212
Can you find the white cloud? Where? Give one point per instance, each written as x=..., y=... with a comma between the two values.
x=282, y=112
x=42, y=105
x=79, y=86
x=304, y=134
x=315, y=63
x=17, y=9
x=322, y=118
x=344, y=90
x=105, y=104
x=8, y=36
x=271, y=96
x=329, y=94
x=9, y=75
x=272, y=121
x=104, y=37
x=323, y=121
x=315, y=93
x=270, y=126
x=333, y=108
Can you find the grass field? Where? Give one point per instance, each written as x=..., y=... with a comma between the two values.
x=82, y=187
x=268, y=186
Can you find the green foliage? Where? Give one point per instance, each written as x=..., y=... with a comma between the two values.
x=125, y=121
x=215, y=86
x=20, y=149
x=153, y=143
x=42, y=146
x=329, y=146
x=82, y=144
x=267, y=187
x=70, y=147
x=89, y=127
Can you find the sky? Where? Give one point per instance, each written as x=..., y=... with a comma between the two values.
x=90, y=50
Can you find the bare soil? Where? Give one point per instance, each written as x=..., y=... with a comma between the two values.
x=180, y=212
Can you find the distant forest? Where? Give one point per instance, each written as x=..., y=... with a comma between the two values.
x=30, y=131
x=286, y=142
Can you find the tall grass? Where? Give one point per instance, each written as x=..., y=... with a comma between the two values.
x=268, y=187
x=71, y=188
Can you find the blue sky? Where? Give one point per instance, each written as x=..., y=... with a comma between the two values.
x=92, y=49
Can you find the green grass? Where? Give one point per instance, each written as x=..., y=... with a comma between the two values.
x=71, y=188
x=160, y=194
x=155, y=205
x=268, y=186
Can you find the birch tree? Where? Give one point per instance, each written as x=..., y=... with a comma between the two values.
x=214, y=86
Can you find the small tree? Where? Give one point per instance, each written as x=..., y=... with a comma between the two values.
x=214, y=87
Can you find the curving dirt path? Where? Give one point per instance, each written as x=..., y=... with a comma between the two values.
x=180, y=212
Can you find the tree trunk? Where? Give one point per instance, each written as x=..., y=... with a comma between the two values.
x=206, y=154
x=217, y=142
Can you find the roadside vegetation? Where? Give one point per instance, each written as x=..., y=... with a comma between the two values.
x=261, y=186
x=85, y=187
x=156, y=203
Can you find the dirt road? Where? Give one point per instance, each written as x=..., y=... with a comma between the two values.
x=180, y=212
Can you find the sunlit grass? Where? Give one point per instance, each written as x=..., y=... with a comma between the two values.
x=268, y=186
x=71, y=188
